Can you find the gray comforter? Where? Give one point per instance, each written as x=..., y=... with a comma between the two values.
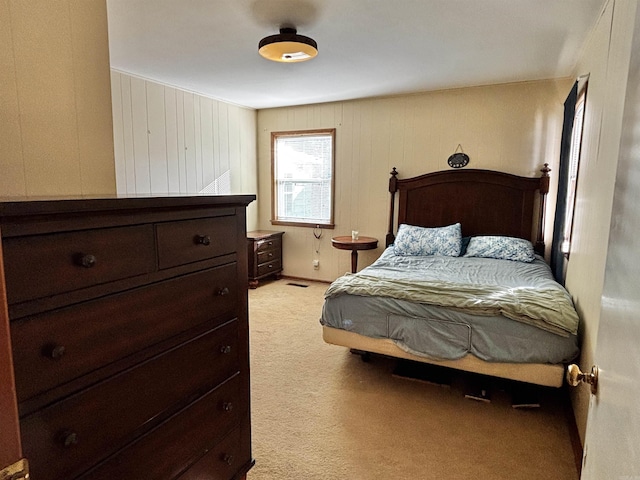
x=525, y=292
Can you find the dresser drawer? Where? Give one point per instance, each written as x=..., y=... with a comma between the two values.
x=270, y=267
x=56, y=347
x=68, y=437
x=178, y=443
x=222, y=461
x=43, y=265
x=189, y=241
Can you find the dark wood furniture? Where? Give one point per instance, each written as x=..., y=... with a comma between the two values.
x=485, y=203
x=349, y=243
x=264, y=249
x=129, y=332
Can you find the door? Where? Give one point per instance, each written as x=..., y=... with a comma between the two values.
x=10, y=449
x=612, y=443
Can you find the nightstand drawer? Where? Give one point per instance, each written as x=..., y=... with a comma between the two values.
x=189, y=241
x=68, y=437
x=42, y=265
x=273, y=243
x=58, y=346
x=270, y=267
x=268, y=256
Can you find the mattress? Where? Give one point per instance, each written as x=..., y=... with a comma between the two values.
x=449, y=331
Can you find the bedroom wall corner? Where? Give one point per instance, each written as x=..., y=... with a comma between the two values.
x=605, y=57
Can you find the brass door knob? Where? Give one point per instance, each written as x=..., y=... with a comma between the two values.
x=575, y=377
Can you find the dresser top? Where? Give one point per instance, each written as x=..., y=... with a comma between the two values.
x=14, y=206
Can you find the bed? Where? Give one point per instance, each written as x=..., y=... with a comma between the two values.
x=463, y=305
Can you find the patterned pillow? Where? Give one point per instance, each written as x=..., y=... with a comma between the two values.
x=503, y=248
x=412, y=240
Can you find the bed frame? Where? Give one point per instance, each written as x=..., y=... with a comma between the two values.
x=485, y=202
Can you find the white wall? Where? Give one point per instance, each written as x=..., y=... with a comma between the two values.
x=605, y=57
x=56, y=133
x=169, y=140
x=514, y=128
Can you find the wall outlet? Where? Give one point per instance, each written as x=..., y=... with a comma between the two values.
x=316, y=264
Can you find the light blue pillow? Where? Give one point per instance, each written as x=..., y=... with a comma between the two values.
x=444, y=241
x=502, y=248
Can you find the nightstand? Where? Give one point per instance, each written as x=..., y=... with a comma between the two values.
x=264, y=248
x=350, y=243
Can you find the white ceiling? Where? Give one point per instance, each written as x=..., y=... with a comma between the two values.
x=366, y=48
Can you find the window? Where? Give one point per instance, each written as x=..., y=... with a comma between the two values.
x=574, y=162
x=302, y=172
x=570, y=152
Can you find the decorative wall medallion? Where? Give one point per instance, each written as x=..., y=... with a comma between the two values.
x=458, y=160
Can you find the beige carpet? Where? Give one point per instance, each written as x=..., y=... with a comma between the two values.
x=321, y=413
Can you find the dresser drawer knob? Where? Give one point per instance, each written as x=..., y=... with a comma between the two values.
x=228, y=459
x=55, y=352
x=227, y=406
x=85, y=260
x=202, y=240
x=226, y=349
x=68, y=438
x=223, y=292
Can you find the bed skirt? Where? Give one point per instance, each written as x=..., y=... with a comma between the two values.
x=549, y=375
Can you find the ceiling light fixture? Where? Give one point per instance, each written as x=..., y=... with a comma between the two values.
x=288, y=47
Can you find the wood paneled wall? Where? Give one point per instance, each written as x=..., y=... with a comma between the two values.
x=56, y=134
x=172, y=141
x=605, y=57
x=514, y=128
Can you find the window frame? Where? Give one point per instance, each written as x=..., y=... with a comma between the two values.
x=274, y=181
x=577, y=141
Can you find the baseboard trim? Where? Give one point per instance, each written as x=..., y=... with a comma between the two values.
x=304, y=279
x=576, y=443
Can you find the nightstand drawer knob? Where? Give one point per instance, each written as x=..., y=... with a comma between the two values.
x=223, y=292
x=226, y=349
x=202, y=240
x=85, y=260
x=227, y=406
x=228, y=459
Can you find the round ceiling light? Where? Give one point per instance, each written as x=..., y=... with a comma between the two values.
x=288, y=47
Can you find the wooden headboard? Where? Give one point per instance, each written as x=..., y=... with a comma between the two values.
x=484, y=202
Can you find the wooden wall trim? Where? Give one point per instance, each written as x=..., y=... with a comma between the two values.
x=10, y=446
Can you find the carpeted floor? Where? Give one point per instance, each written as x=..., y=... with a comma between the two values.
x=321, y=413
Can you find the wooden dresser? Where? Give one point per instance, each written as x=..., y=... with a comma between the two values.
x=264, y=249
x=129, y=333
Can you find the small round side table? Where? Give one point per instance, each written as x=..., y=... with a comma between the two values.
x=346, y=242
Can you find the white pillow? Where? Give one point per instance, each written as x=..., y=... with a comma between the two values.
x=502, y=248
x=444, y=241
